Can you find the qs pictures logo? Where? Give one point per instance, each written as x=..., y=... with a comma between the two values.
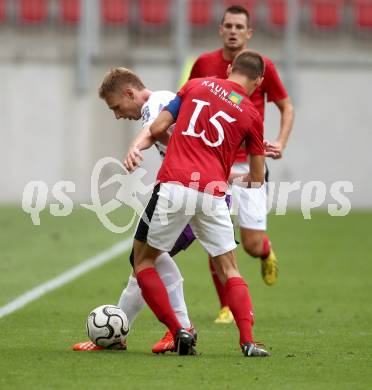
x=131, y=187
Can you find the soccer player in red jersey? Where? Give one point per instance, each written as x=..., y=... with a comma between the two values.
x=235, y=33
x=213, y=118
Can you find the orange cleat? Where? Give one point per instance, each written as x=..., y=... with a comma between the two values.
x=166, y=344
x=90, y=346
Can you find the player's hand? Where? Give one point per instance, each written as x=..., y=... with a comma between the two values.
x=273, y=150
x=133, y=159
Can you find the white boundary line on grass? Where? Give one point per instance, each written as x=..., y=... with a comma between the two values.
x=66, y=277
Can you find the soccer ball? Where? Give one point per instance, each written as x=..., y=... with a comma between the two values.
x=107, y=326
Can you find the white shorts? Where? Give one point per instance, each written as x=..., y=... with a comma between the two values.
x=249, y=204
x=208, y=216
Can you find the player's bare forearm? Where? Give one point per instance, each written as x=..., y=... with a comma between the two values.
x=286, y=122
x=144, y=139
x=161, y=124
x=286, y=109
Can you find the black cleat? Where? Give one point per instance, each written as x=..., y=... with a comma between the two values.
x=185, y=342
x=252, y=350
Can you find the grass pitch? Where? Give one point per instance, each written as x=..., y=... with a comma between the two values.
x=316, y=320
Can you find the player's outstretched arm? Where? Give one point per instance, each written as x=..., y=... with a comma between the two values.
x=161, y=124
x=286, y=109
x=143, y=141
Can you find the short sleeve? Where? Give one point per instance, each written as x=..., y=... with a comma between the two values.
x=195, y=70
x=272, y=84
x=183, y=90
x=147, y=116
x=150, y=111
x=153, y=106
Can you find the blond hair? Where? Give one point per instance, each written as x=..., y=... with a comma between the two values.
x=116, y=78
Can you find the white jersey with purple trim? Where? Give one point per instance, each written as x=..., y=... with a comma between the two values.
x=151, y=109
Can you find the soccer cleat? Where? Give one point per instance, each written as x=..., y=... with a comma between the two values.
x=166, y=344
x=254, y=350
x=185, y=342
x=90, y=346
x=270, y=268
x=224, y=316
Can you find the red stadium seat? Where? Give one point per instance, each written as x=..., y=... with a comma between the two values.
x=200, y=12
x=277, y=13
x=362, y=14
x=33, y=11
x=2, y=10
x=70, y=11
x=326, y=14
x=154, y=12
x=247, y=4
x=114, y=12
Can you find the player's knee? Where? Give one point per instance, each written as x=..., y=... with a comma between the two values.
x=253, y=245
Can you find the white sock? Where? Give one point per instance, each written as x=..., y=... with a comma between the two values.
x=173, y=281
x=131, y=301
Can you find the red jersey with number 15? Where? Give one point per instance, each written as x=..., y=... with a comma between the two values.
x=213, y=64
x=215, y=117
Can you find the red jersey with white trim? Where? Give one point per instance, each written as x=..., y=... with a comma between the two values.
x=213, y=64
x=215, y=117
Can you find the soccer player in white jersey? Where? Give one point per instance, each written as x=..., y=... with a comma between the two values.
x=128, y=98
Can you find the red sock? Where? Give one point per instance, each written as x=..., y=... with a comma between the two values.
x=217, y=283
x=241, y=306
x=156, y=296
x=266, y=248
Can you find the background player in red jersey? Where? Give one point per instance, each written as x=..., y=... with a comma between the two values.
x=235, y=33
x=214, y=117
